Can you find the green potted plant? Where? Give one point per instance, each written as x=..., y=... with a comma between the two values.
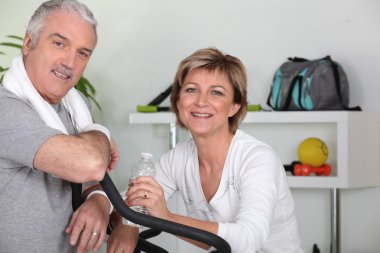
x=83, y=84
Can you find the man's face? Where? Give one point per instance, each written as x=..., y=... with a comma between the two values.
x=60, y=56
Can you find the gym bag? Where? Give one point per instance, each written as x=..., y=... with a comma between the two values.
x=310, y=85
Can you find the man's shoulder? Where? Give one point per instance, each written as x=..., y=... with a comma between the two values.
x=9, y=100
x=5, y=92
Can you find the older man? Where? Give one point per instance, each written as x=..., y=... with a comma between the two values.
x=48, y=138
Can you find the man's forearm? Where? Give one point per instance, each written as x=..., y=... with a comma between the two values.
x=80, y=158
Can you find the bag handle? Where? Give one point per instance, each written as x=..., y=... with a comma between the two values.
x=290, y=92
x=289, y=95
x=269, y=97
x=297, y=59
x=291, y=88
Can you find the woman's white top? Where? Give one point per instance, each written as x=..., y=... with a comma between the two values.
x=253, y=205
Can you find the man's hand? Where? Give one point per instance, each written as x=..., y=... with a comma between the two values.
x=114, y=155
x=88, y=225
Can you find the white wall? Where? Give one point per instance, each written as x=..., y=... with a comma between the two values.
x=141, y=43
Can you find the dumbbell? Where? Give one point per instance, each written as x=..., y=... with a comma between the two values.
x=290, y=167
x=306, y=170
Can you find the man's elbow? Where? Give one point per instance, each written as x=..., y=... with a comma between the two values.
x=98, y=175
x=95, y=169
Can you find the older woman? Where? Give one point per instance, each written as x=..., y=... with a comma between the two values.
x=233, y=185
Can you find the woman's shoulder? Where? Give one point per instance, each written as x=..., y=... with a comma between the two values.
x=255, y=156
x=175, y=161
x=241, y=138
x=249, y=147
x=182, y=149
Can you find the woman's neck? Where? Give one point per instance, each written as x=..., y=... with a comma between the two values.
x=212, y=150
x=212, y=154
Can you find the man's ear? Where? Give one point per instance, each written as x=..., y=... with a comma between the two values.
x=26, y=45
x=234, y=109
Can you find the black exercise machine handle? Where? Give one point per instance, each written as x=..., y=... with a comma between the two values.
x=208, y=238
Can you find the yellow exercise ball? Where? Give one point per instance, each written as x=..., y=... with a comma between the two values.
x=313, y=151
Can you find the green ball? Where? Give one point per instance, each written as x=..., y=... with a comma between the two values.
x=313, y=151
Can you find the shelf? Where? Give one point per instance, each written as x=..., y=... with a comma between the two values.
x=152, y=118
x=356, y=138
x=270, y=117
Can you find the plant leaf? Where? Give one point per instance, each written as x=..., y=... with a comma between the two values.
x=10, y=44
x=15, y=37
x=95, y=102
x=87, y=89
x=88, y=85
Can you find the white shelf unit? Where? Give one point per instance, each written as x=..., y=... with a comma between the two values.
x=357, y=138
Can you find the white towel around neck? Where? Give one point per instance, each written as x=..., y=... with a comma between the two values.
x=17, y=81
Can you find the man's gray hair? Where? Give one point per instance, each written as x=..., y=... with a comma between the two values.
x=36, y=22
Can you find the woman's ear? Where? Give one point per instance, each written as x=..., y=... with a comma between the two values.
x=234, y=109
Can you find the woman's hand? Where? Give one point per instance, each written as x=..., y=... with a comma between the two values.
x=145, y=191
x=123, y=239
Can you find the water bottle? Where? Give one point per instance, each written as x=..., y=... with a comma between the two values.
x=144, y=167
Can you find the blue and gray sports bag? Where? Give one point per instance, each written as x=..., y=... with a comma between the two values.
x=310, y=85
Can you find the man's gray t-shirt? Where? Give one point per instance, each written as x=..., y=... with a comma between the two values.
x=35, y=207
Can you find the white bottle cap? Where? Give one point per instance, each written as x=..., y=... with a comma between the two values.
x=147, y=155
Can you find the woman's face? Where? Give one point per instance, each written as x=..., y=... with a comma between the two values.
x=206, y=102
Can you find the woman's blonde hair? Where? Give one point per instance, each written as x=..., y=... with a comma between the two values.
x=211, y=59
